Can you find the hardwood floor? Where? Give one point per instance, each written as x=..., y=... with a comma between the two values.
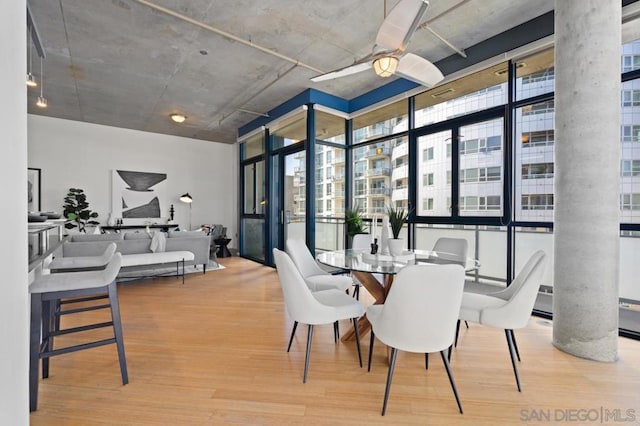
x=213, y=352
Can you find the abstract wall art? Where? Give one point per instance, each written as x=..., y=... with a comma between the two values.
x=137, y=195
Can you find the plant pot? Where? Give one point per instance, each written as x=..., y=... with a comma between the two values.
x=396, y=246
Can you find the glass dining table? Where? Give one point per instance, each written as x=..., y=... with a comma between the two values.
x=365, y=266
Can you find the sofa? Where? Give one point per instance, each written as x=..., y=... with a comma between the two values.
x=145, y=248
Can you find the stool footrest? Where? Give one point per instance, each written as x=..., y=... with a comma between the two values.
x=81, y=328
x=85, y=309
x=77, y=348
x=84, y=299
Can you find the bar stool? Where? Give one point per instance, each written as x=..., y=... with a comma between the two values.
x=51, y=288
x=78, y=264
x=83, y=263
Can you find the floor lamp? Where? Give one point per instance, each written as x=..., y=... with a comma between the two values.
x=186, y=198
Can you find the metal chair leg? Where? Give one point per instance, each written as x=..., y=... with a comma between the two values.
x=453, y=383
x=371, y=340
x=515, y=344
x=336, y=332
x=457, y=333
x=513, y=358
x=306, y=358
x=426, y=361
x=117, y=330
x=355, y=328
x=392, y=364
x=293, y=332
x=47, y=337
x=34, y=349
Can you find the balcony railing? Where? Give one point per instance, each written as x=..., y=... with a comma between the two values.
x=382, y=171
x=379, y=191
x=376, y=152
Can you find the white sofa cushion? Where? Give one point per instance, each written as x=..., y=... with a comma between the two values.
x=156, y=258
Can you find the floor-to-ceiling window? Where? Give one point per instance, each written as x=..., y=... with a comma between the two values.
x=630, y=187
x=254, y=198
x=473, y=158
x=330, y=159
x=289, y=179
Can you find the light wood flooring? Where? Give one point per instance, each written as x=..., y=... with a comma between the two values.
x=213, y=352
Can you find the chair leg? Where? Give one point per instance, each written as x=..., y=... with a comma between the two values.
x=47, y=338
x=457, y=333
x=117, y=330
x=515, y=345
x=293, y=332
x=306, y=358
x=371, y=340
x=453, y=383
x=392, y=364
x=513, y=358
x=466, y=323
x=356, y=291
x=426, y=360
x=34, y=349
x=355, y=328
x=449, y=353
x=336, y=332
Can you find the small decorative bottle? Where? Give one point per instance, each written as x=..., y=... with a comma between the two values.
x=374, y=246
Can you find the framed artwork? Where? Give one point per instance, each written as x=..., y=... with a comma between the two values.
x=137, y=195
x=33, y=190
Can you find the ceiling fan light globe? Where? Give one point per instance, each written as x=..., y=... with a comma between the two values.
x=385, y=66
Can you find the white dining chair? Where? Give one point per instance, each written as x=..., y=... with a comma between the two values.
x=451, y=250
x=510, y=308
x=314, y=308
x=419, y=315
x=315, y=277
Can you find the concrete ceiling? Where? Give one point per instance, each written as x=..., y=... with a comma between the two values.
x=124, y=63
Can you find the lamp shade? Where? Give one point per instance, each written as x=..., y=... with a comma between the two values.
x=385, y=66
x=186, y=198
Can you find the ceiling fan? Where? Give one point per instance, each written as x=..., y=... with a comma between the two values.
x=389, y=56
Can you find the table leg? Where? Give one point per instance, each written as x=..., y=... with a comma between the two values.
x=379, y=292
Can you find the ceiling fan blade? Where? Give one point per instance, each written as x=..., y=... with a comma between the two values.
x=415, y=68
x=401, y=23
x=351, y=69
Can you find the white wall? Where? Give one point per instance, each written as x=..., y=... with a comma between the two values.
x=83, y=155
x=14, y=306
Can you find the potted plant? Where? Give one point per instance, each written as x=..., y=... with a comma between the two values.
x=397, y=217
x=355, y=224
x=76, y=210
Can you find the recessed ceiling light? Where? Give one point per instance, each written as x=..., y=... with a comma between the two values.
x=178, y=118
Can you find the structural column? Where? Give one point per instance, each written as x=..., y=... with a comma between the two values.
x=587, y=178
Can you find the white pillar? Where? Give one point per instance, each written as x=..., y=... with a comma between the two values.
x=587, y=178
x=14, y=302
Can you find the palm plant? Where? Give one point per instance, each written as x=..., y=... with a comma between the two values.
x=353, y=219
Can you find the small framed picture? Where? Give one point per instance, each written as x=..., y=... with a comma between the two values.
x=33, y=190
